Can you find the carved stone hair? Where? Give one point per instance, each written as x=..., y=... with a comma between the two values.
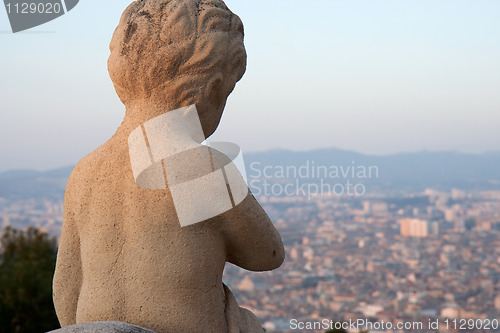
x=179, y=45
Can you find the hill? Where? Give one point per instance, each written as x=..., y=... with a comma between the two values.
x=406, y=171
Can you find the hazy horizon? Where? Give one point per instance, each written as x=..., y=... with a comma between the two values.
x=374, y=77
x=3, y=170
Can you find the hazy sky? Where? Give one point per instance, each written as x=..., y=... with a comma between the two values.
x=374, y=76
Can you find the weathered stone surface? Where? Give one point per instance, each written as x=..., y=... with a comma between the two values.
x=103, y=327
x=123, y=254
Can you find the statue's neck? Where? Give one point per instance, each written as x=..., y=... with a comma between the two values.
x=177, y=123
x=170, y=133
x=157, y=141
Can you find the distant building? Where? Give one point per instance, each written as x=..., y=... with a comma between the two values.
x=414, y=228
x=450, y=214
x=434, y=228
x=459, y=225
x=469, y=224
x=246, y=284
x=497, y=302
x=6, y=221
x=378, y=208
x=451, y=311
x=458, y=194
x=345, y=298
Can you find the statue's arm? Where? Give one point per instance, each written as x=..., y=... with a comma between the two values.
x=68, y=275
x=252, y=241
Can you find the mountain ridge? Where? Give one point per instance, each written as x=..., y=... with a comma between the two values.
x=401, y=171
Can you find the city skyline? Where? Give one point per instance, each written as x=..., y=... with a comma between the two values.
x=351, y=258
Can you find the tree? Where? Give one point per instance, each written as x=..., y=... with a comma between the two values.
x=27, y=263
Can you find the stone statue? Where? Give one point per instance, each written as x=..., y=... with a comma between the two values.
x=132, y=248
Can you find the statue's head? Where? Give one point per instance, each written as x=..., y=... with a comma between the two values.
x=174, y=53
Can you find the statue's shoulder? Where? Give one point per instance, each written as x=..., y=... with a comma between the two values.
x=94, y=176
x=98, y=166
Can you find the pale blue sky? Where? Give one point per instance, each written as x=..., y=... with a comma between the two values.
x=374, y=76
